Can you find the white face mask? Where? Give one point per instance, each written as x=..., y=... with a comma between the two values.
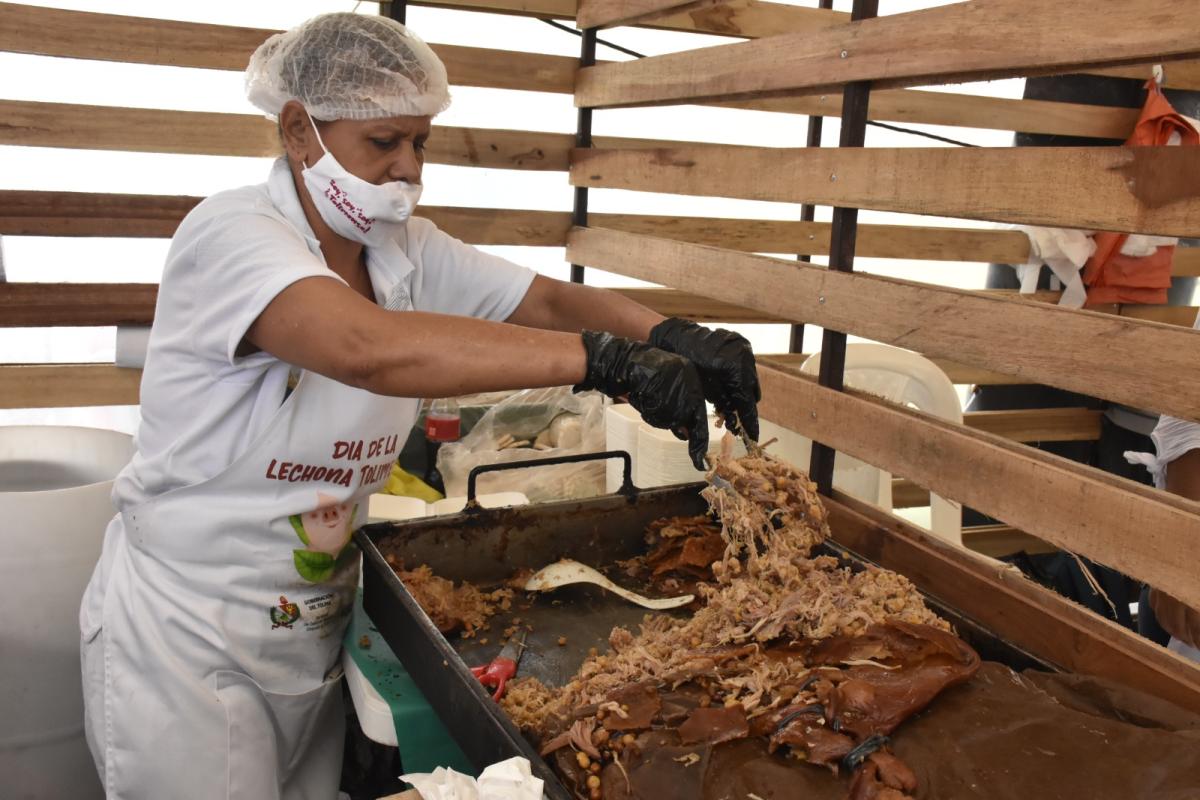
x=355, y=209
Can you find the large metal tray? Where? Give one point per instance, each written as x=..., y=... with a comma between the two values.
x=487, y=547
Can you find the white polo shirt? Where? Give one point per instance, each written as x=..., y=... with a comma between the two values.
x=201, y=405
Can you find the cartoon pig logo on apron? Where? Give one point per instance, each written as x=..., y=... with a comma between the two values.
x=325, y=533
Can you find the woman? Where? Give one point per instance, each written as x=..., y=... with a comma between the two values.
x=296, y=322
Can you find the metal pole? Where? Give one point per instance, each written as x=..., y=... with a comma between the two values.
x=808, y=210
x=583, y=138
x=396, y=9
x=855, y=99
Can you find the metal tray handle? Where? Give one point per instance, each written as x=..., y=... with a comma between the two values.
x=626, y=489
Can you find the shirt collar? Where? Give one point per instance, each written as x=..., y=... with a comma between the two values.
x=388, y=264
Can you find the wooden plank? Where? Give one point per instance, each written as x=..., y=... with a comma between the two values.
x=906, y=494
x=1114, y=521
x=961, y=374
x=24, y=305
x=34, y=124
x=77, y=385
x=112, y=37
x=103, y=304
x=67, y=385
x=1014, y=607
x=742, y=18
x=607, y=13
x=32, y=213
x=1140, y=363
x=980, y=40
x=1038, y=424
x=998, y=541
x=1184, y=316
x=1177, y=74
x=1139, y=189
x=915, y=106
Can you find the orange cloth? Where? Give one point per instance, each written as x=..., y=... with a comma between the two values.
x=1115, y=278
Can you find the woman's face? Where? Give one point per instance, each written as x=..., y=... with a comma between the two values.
x=377, y=150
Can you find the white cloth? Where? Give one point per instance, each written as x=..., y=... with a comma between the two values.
x=1064, y=251
x=505, y=780
x=1173, y=437
x=231, y=256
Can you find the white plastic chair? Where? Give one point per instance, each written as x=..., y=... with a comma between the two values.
x=899, y=376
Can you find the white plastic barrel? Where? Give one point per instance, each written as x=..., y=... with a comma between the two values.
x=54, y=506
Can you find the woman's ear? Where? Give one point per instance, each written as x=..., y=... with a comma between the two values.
x=296, y=132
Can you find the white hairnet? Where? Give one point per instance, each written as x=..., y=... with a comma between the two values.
x=348, y=66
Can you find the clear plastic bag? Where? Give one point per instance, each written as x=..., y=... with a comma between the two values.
x=534, y=423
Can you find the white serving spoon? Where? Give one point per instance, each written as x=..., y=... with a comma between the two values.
x=564, y=572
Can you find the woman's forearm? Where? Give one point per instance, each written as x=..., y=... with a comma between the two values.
x=562, y=306
x=321, y=325
x=436, y=355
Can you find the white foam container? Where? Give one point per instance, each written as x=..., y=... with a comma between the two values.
x=55, y=484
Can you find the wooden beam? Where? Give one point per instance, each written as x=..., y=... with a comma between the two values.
x=906, y=494
x=79, y=385
x=1140, y=363
x=1176, y=75
x=34, y=213
x=140, y=40
x=1138, y=189
x=34, y=124
x=998, y=541
x=961, y=374
x=67, y=385
x=1038, y=424
x=915, y=106
x=980, y=40
x=608, y=13
x=742, y=18
x=1020, y=611
x=1114, y=521
x=25, y=305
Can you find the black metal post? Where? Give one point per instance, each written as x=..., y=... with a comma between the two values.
x=583, y=138
x=808, y=210
x=855, y=99
x=397, y=10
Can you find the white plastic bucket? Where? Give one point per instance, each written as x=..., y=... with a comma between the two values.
x=55, y=484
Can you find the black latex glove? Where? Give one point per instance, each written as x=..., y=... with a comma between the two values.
x=726, y=365
x=665, y=388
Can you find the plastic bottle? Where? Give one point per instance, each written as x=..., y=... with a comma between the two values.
x=443, y=423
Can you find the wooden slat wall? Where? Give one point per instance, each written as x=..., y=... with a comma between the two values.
x=1115, y=521
x=1144, y=365
x=75, y=34
x=979, y=40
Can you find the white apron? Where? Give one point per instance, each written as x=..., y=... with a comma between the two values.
x=213, y=672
